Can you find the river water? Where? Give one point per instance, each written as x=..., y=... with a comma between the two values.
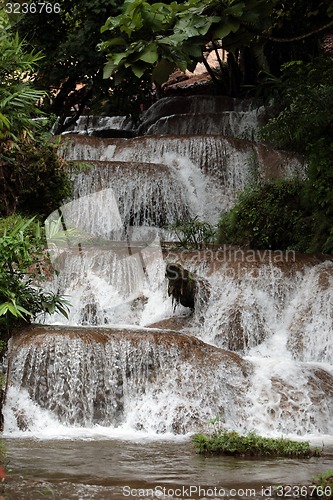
x=114, y=468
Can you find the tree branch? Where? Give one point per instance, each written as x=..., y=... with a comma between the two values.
x=209, y=69
x=295, y=38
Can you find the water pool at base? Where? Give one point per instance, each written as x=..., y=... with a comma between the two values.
x=119, y=469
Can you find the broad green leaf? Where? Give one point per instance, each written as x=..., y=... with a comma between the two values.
x=4, y=308
x=138, y=70
x=235, y=10
x=117, y=58
x=112, y=43
x=225, y=29
x=194, y=50
x=4, y=121
x=150, y=54
x=109, y=68
x=22, y=309
x=162, y=71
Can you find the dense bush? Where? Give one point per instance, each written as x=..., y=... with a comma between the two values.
x=267, y=216
x=34, y=179
x=304, y=106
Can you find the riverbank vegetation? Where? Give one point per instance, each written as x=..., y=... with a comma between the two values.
x=223, y=442
x=34, y=179
x=34, y=182
x=23, y=267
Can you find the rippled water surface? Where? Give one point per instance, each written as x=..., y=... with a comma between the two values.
x=118, y=469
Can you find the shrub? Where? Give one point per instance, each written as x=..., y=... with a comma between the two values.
x=224, y=442
x=22, y=297
x=303, y=123
x=266, y=216
x=34, y=178
x=193, y=233
x=304, y=106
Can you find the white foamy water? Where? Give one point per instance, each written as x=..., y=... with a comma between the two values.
x=259, y=353
x=141, y=380
x=152, y=384
x=89, y=124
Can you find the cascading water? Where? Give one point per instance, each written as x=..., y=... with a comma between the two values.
x=211, y=169
x=240, y=124
x=256, y=351
x=152, y=197
x=90, y=124
x=145, y=379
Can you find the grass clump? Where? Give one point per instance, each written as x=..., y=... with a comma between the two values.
x=224, y=442
x=323, y=485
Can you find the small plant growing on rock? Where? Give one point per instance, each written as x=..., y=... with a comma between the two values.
x=194, y=234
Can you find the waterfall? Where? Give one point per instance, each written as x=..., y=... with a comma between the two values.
x=255, y=352
x=159, y=382
x=240, y=124
x=143, y=379
x=90, y=124
x=214, y=168
x=146, y=194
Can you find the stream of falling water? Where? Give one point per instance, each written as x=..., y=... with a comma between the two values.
x=102, y=389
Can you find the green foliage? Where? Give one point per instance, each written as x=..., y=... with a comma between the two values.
x=266, y=216
x=17, y=97
x=3, y=456
x=158, y=37
x=301, y=23
x=305, y=106
x=35, y=179
x=128, y=98
x=8, y=224
x=318, y=196
x=72, y=69
x=155, y=38
x=303, y=123
x=224, y=442
x=323, y=485
x=193, y=233
x=324, y=479
x=292, y=213
x=23, y=264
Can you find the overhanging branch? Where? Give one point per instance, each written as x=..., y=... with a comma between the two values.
x=294, y=38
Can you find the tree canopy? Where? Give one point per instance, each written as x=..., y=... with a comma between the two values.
x=72, y=68
x=155, y=37
x=143, y=40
